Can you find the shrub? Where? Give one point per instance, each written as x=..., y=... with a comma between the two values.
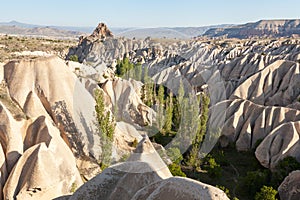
x=134, y=143
x=254, y=180
x=283, y=168
x=214, y=170
x=224, y=189
x=266, y=193
x=74, y=58
x=220, y=158
x=103, y=166
x=73, y=187
x=175, y=170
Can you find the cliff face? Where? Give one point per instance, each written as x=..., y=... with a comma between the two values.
x=263, y=28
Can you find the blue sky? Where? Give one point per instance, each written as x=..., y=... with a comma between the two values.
x=146, y=13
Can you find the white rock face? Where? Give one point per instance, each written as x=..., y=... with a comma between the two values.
x=277, y=84
x=123, y=180
x=178, y=188
x=46, y=170
x=246, y=122
x=124, y=134
x=120, y=181
x=123, y=97
x=46, y=145
x=46, y=86
x=34, y=152
x=282, y=142
x=144, y=176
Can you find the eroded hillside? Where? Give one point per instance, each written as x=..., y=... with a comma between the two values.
x=54, y=123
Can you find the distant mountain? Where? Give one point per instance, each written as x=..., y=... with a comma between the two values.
x=15, y=27
x=38, y=31
x=165, y=32
x=262, y=28
x=66, y=28
x=18, y=24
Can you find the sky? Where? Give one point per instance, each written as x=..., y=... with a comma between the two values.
x=146, y=13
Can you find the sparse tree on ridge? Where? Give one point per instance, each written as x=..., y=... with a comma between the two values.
x=106, y=128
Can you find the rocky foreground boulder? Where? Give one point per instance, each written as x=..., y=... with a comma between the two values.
x=144, y=176
x=137, y=180
x=289, y=188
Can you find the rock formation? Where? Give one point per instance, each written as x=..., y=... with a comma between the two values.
x=144, y=176
x=101, y=32
x=48, y=122
x=124, y=99
x=246, y=123
x=282, y=142
x=289, y=188
x=179, y=188
x=275, y=85
x=264, y=73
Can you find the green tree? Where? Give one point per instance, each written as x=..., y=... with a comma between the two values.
x=254, y=180
x=147, y=93
x=203, y=118
x=175, y=170
x=169, y=113
x=214, y=169
x=106, y=128
x=135, y=143
x=266, y=193
x=145, y=78
x=283, y=168
x=225, y=190
x=124, y=67
x=160, y=108
x=120, y=69
x=161, y=95
x=190, y=118
x=176, y=115
x=138, y=72
x=147, y=89
x=105, y=121
x=194, y=159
